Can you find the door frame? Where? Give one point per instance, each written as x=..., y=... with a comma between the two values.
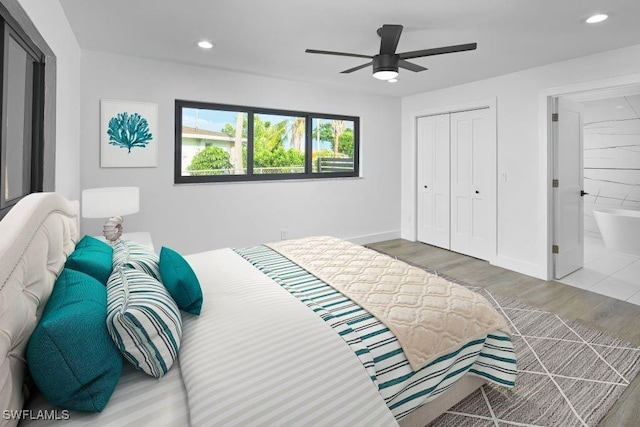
x=491, y=104
x=546, y=158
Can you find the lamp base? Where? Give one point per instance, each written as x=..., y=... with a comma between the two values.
x=112, y=229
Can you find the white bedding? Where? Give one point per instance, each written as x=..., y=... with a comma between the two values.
x=139, y=400
x=254, y=356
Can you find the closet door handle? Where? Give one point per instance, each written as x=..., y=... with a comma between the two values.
x=477, y=192
x=425, y=186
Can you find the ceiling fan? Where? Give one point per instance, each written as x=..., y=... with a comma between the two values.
x=386, y=63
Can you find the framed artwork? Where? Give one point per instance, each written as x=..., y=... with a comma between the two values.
x=128, y=134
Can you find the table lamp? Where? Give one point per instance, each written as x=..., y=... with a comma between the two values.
x=112, y=203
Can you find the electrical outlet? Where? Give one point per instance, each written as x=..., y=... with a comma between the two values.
x=284, y=234
x=503, y=176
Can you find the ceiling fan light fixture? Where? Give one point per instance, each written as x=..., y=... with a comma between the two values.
x=598, y=17
x=204, y=44
x=387, y=63
x=385, y=67
x=385, y=74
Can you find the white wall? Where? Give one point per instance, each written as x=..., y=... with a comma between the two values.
x=50, y=20
x=522, y=210
x=198, y=217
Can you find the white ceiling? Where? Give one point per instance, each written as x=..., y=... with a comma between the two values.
x=269, y=37
x=620, y=108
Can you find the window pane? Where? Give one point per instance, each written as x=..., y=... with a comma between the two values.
x=17, y=158
x=278, y=144
x=214, y=142
x=327, y=155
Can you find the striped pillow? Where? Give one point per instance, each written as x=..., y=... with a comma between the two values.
x=143, y=320
x=135, y=255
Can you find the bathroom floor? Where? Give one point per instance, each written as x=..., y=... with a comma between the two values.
x=608, y=273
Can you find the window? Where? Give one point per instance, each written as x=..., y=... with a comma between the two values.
x=22, y=112
x=278, y=144
x=329, y=157
x=217, y=142
x=214, y=142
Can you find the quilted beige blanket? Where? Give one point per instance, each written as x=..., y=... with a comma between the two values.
x=429, y=315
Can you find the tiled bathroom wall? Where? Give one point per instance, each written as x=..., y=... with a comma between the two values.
x=611, y=156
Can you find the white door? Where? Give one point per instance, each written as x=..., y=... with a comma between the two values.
x=473, y=183
x=433, y=180
x=568, y=221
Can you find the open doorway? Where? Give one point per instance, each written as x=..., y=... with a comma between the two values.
x=610, y=190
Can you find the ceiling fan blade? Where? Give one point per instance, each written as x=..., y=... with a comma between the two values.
x=359, y=67
x=390, y=35
x=328, y=52
x=409, y=66
x=438, y=51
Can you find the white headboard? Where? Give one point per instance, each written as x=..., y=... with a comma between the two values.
x=36, y=237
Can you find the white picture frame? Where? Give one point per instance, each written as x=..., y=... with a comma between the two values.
x=128, y=134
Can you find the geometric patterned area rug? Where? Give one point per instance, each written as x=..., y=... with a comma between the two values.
x=568, y=374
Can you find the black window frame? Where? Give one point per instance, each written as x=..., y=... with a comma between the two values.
x=250, y=176
x=9, y=28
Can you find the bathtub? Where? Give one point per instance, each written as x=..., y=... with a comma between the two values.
x=620, y=229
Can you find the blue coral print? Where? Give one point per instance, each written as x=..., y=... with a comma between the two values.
x=129, y=131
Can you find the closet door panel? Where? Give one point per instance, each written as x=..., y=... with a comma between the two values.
x=461, y=140
x=481, y=182
x=433, y=180
x=473, y=192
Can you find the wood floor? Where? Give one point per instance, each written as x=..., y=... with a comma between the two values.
x=618, y=318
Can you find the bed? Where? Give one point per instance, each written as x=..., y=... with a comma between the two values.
x=273, y=345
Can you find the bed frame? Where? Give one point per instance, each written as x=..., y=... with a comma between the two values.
x=36, y=237
x=432, y=410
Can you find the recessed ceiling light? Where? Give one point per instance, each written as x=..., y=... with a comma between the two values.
x=599, y=17
x=619, y=106
x=205, y=44
x=393, y=80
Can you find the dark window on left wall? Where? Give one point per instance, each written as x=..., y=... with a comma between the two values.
x=21, y=113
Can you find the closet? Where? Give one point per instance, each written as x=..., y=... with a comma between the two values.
x=456, y=178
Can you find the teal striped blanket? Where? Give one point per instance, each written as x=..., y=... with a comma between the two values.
x=490, y=356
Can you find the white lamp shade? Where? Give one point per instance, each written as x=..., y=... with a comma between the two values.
x=110, y=201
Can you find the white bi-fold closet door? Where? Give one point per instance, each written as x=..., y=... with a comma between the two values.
x=434, y=203
x=457, y=182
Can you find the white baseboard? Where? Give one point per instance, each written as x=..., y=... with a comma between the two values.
x=520, y=266
x=508, y=263
x=409, y=234
x=372, y=238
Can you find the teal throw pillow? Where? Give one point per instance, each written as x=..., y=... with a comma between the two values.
x=93, y=257
x=70, y=354
x=180, y=280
